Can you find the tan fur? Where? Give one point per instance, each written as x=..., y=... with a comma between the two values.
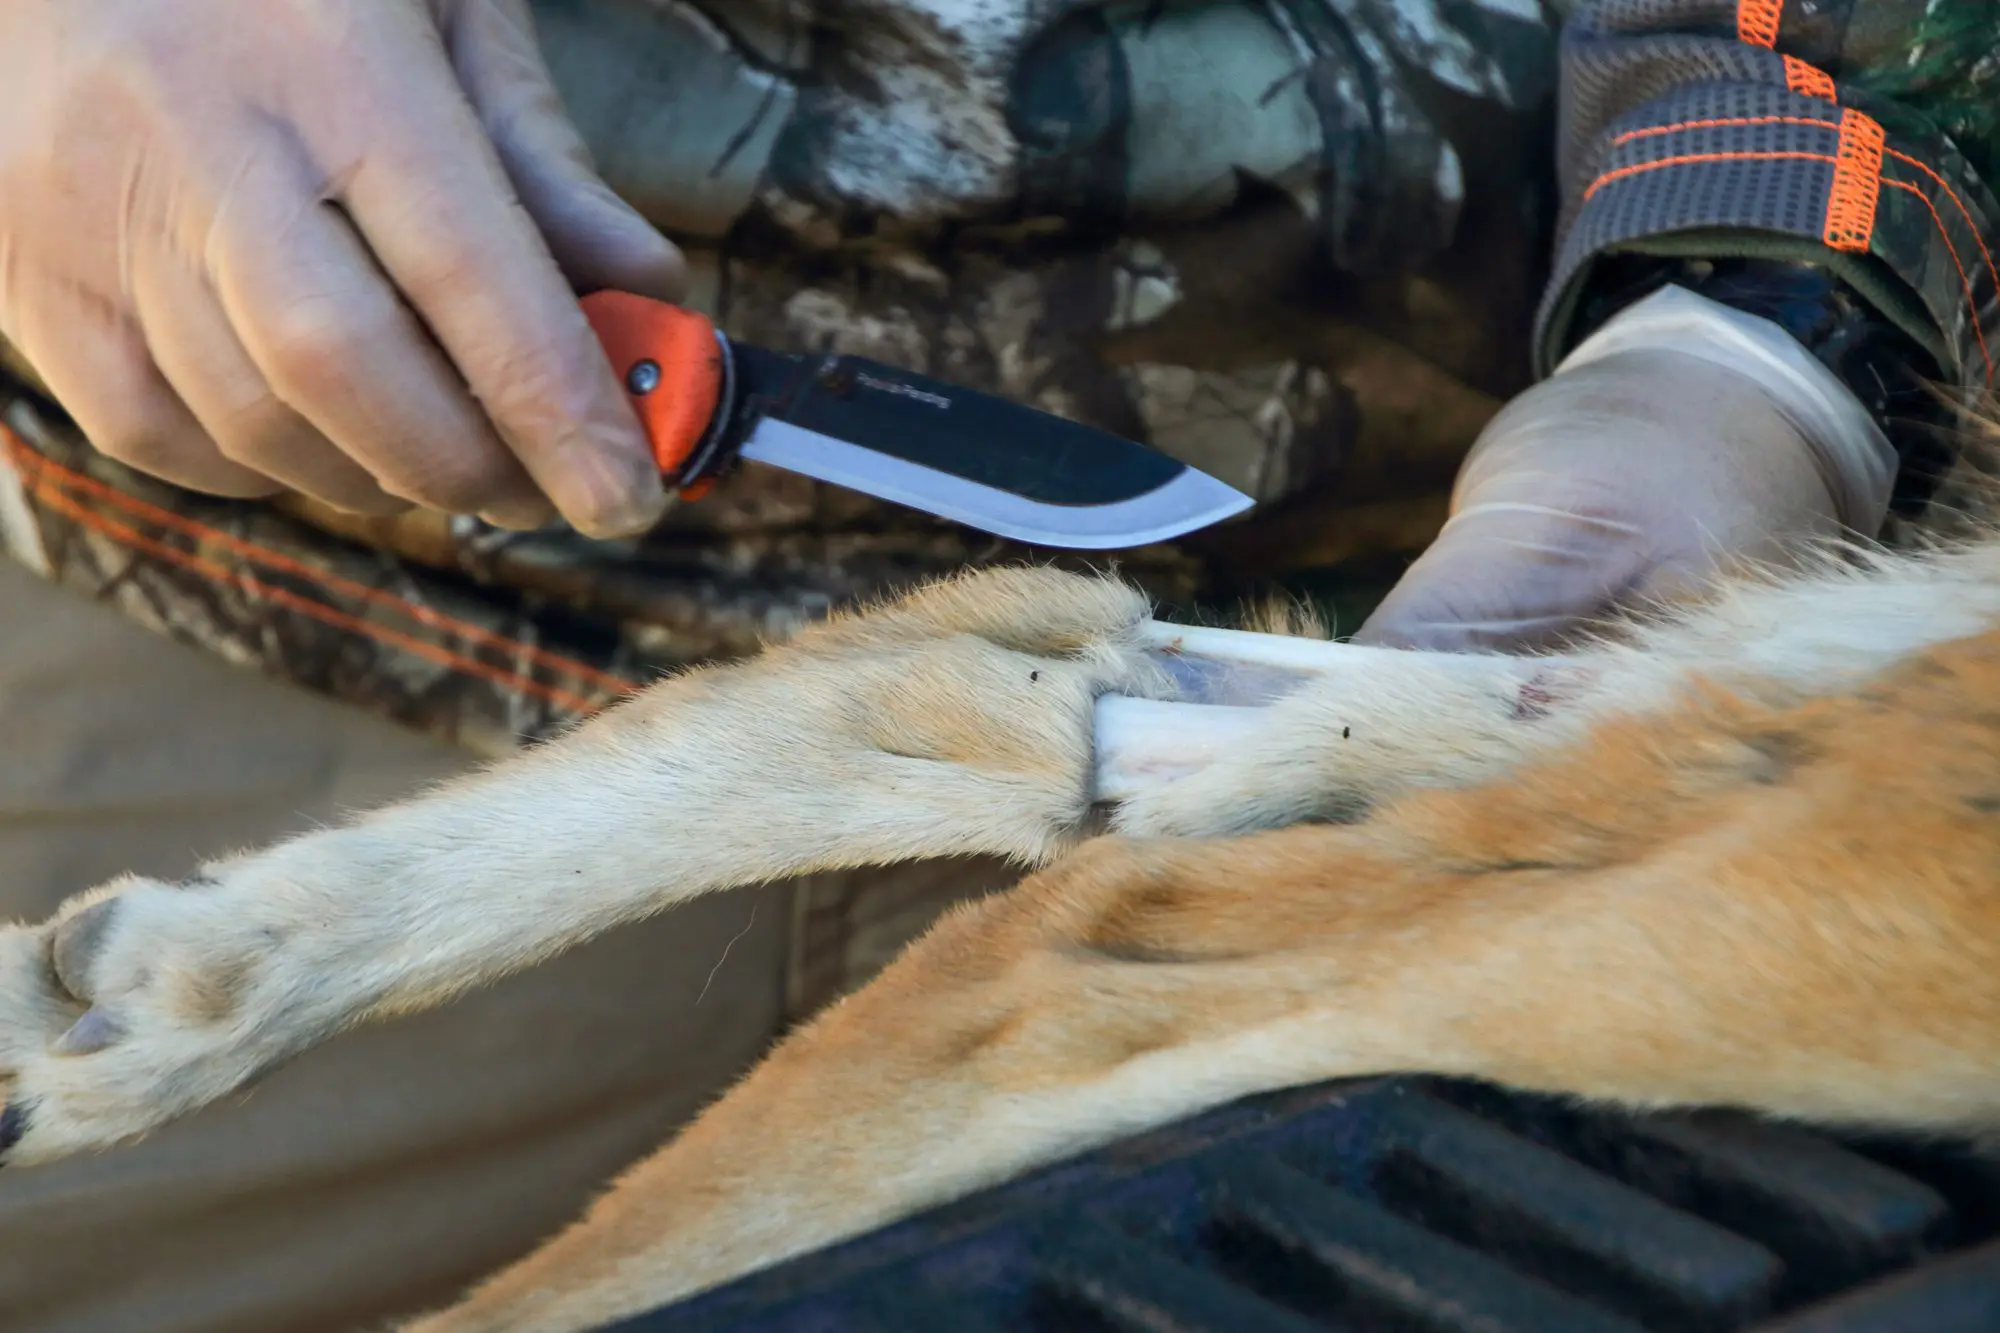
x=1743, y=856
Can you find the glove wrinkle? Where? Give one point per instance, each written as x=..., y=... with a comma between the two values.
x=1680, y=439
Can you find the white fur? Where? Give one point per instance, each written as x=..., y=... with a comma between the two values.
x=958, y=722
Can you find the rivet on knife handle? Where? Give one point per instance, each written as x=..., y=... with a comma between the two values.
x=672, y=364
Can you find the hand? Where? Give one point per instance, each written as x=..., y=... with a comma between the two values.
x=1681, y=437
x=321, y=245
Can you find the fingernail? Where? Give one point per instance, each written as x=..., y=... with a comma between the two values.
x=651, y=263
x=520, y=516
x=619, y=500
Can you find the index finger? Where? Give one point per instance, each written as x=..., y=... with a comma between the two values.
x=434, y=204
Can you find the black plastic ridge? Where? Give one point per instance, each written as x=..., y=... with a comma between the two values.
x=1409, y=1205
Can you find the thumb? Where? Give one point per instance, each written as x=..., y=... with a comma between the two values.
x=598, y=240
x=1509, y=581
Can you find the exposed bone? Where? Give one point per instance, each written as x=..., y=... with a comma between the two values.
x=1142, y=743
x=1298, y=658
x=1225, y=679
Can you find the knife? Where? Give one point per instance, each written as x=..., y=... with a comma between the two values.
x=707, y=400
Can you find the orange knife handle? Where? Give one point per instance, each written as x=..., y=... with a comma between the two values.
x=671, y=363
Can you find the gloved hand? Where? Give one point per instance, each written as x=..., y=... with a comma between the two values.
x=1682, y=435
x=321, y=245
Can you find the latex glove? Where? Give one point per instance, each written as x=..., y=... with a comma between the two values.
x=323, y=245
x=1682, y=435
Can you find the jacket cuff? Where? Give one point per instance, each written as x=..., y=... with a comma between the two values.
x=1772, y=164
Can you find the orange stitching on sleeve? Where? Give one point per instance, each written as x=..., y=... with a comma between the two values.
x=1857, y=184
x=208, y=569
x=1852, y=201
x=1757, y=21
x=1972, y=226
x=1722, y=122
x=1964, y=212
x=1964, y=281
x=36, y=467
x=1682, y=159
x=1808, y=80
x=423, y=615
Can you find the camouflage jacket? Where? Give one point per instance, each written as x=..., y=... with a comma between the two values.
x=1308, y=245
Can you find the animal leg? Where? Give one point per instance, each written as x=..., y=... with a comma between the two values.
x=955, y=722
x=1339, y=728
x=1266, y=731
x=1785, y=909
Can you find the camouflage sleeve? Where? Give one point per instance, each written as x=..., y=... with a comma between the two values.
x=1827, y=163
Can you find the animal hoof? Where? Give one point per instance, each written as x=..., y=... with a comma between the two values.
x=78, y=941
x=90, y=1034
